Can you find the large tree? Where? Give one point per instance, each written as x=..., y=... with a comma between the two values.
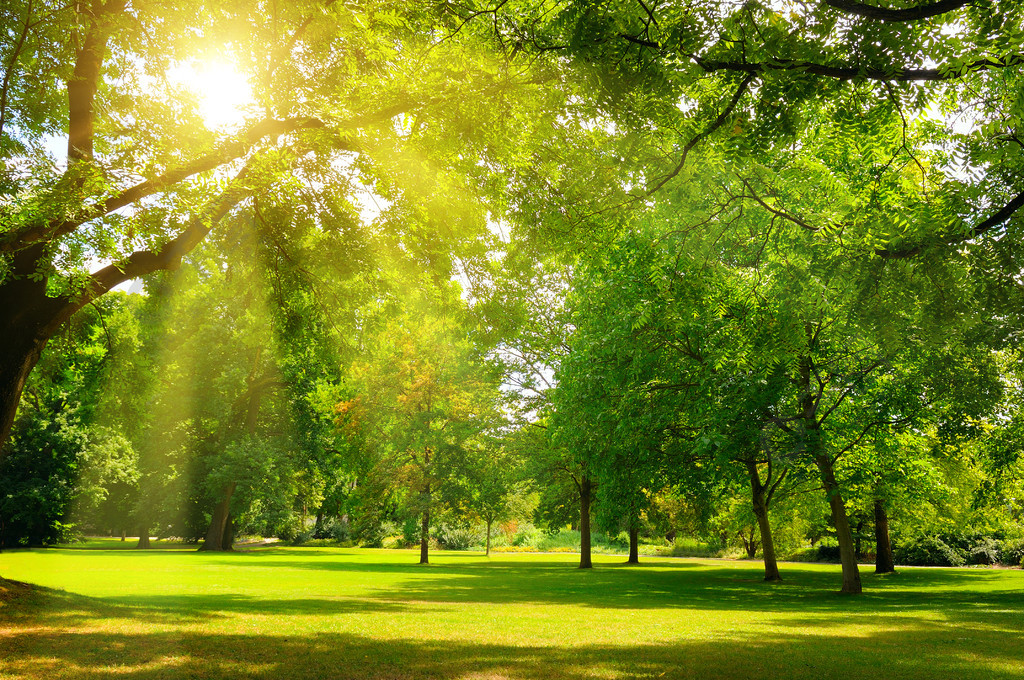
x=338, y=103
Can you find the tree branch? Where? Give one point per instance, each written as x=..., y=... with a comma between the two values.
x=995, y=220
x=86, y=76
x=903, y=14
x=15, y=54
x=168, y=256
x=226, y=153
x=897, y=74
x=718, y=122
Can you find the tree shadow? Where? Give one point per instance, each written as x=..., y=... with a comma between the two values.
x=921, y=651
x=692, y=585
x=922, y=624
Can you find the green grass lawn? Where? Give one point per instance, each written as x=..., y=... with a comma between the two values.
x=329, y=613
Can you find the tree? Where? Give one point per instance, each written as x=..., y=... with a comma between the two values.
x=146, y=178
x=424, y=396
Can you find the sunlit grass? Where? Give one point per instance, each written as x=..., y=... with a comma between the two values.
x=309, y=613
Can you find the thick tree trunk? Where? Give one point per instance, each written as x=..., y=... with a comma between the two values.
x=215, y=535
x=487, y=552
x=143, y=539
x=883, y=547
x=28, y=319
x=425, y=528
x=634, y=546
x=227, y=540
x=586, y=490
x=847, y=553
x=760, y=503
x=20, y=349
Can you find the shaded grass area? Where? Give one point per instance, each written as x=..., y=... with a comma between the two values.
x=312, y=613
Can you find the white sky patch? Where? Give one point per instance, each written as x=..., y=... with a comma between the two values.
x=222, y=92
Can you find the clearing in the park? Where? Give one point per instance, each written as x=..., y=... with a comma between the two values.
x=334, y=613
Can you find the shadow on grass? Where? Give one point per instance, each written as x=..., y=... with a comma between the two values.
x=690, y=585
x=46, y=646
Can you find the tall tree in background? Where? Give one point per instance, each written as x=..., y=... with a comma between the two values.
x=424, y=395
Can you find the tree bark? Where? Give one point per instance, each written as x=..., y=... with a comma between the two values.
x=487, y=553
x=814, y=448
x=847, y=554
x=143, y=539
x=586, y=490
x=227, y=540
x=425, y=528
x=28, y=318
x=883, y=547
x=215, y=535
x=760, y=503
x=634, y=546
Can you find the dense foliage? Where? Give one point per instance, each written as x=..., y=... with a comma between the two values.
x=731, y=277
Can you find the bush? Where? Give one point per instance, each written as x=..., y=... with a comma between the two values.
x=526, y=535
x=984, y=551
x=565, y=538
x=829, y=553
x=929, y=551
x=410, y=531
x=688, y=547
x=288, y=528
x=304, y=536
x=1011, y=552
x=458, y=538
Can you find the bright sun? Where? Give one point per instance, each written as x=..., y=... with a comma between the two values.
x=223, y=94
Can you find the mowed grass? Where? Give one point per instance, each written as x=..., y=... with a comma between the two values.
x=330, y=613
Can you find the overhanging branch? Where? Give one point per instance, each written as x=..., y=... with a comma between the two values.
x=717, y=123
x=901, y=14
x=995, y=220
x=231, y=151
x=847, y=72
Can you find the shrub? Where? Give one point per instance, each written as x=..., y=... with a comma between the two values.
x=458, y=538
x=984, y=551
x=688, y=547
x=526, y=535
x=1011, y=552
x=410, y=531
x=828, y=553
x=565, y=538
x=339, y=531
x=929, y=551
x=304, y=536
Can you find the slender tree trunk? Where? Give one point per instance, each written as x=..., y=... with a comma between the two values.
x=883, y=547
x=425, y=528
x=847, y=553
x=143, y=539
x=634, y=545
x=488, y=551
x=124, y=535
x=812, y=432
x=586, y=489
x=218, y=523
x=760, y=503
